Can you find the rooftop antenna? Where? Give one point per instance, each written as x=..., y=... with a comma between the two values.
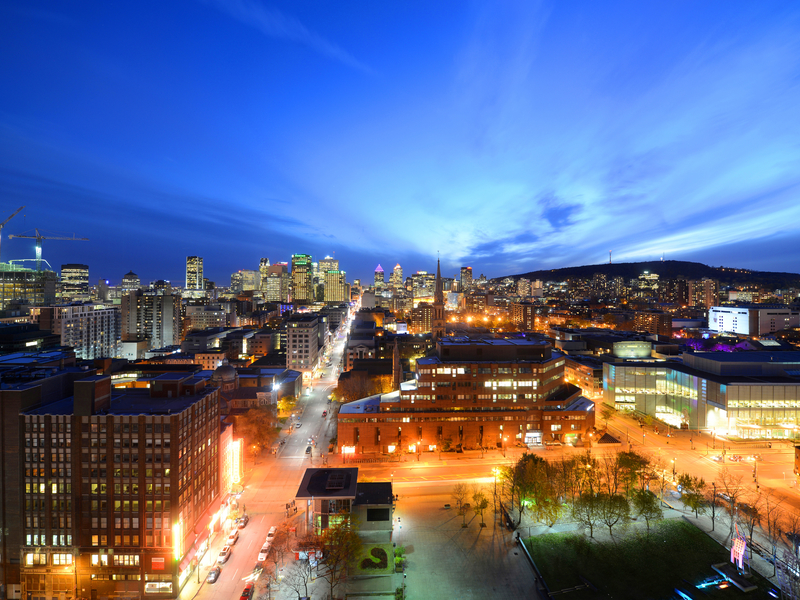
x=609, y=256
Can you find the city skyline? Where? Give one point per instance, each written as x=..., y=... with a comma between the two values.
x=509, y=138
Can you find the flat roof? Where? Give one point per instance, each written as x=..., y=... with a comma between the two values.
x=328, y=483
x=128, y=401
x=371, y=404
x=378, y=492
x=779, y=356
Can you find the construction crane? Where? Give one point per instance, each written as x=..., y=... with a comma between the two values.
x=16, y=212
x=39, y=237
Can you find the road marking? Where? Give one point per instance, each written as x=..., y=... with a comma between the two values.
x=262, y=518
x=235, y=572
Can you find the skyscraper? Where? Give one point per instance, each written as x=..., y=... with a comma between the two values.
x=263, y=268
x=336, y=286
x=194, y=273
x=74, y=283
x=466, y=279
x=379, y=277
x=396, y=278
x=328, y=264
x=302, y=278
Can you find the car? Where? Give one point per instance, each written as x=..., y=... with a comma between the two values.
x=264, y=552
x=247, y=592
x=224, y=554
x=213, y=575
x=717, y=457
x=271, y=533
x=298, y=425
x=324, y=413
x=242, y=522
x=233, y=538
x=308, y=449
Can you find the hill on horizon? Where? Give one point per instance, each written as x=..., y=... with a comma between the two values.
x=667, y=269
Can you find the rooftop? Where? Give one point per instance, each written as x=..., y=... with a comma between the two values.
x=328, y=483
x=379, y=492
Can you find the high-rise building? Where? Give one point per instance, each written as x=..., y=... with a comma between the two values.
x=92, y=330
x=277, y=287
x=155, y=318
x=466, y=279
x=263, y=269
x=131, y=282
x=194, y=273
x=328, y=264
x=26, y=286
x=523, y=314
x=74, y=283
x=302, y=279
x=379, y=277
x=336, y=288
x=524, y=287
x=245, y=280
x=396, y=278
x=704, y=292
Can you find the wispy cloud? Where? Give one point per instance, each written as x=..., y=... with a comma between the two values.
x=274, y=23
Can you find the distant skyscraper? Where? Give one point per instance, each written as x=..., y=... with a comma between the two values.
x=263, y=268
x=379, y=277
x=523, y=287
x=396, y=278
x=336, y=286
x=194, y=273
x=302, y=278
x=466, y=279
x=74, y=283
x=277, y=287
x=328, y=264
x=131, y=282
x=152, y=317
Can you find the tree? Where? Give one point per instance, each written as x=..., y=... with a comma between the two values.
x=606, y=412
x=772, y=523
x=286, y=405
x=632, y=466
x=341, y=547
x=693, y=492
x=298, y=576
x=258, y=426
x=613, y=509
x=459, y=494
x=647, y=506
x=479, y=503
x=586, y=511
x=731, y=487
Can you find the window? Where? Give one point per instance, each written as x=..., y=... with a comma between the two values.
x=62, y=559
x=555, y=427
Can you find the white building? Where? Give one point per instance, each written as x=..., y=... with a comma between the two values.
x=92, y=330
x=755, y=320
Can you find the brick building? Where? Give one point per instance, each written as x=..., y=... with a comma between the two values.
x=473, y=394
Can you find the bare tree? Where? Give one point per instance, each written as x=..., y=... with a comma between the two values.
x=730, y=485
x=298, y=576
x=772, y=523
x=341, y=547
x=480, y=503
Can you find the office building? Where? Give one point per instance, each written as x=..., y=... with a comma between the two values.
x=704, y=293
x=336, y=288
x=396, y=278
x=328, y=264
x=302, y=279
x=277, y=286
x=379, y=279
x=306, y=336
x=752, y=320
x=74, y=283
x=19, y=285
x=466, y=279
x=131, y=282
x=263, y=271
x=194, y=273
x=653, y=321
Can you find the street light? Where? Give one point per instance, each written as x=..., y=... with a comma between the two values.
x=673, y=467
x=495, y=471
x=505, y=439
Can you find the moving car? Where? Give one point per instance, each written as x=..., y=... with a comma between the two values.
x=233, y=538
x=242, y=522
x=324, y=413
x=308, y=449
x=213, y=575
x=224, y=554
x=298, y=425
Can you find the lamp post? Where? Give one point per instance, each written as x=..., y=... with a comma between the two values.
x=674, y=460
x=505, y=439
x=495, y=471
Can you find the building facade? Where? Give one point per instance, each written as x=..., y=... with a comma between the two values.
x=302, y=279
x=194, y=273
x=93, y=330
x=473, y=394
x=155, y=318
x=75, y=283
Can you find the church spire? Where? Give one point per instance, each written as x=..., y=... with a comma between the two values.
x=437, y=322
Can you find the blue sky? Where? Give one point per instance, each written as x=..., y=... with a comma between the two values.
x=509, y=136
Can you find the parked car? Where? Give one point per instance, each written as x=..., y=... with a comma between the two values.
x=264, y=552
x=224, y=554
x=324, y=413
x=213, y=575
x=308, y=449
x=247, y=592
x=271, y=533
x=242, y=521
x=233, y=538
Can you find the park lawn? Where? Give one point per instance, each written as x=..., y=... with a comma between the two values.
x=637, y=566
x=367, y=557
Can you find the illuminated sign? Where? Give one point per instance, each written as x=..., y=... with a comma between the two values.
x=348, y=449
x=236, y=453
x=158, y=563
